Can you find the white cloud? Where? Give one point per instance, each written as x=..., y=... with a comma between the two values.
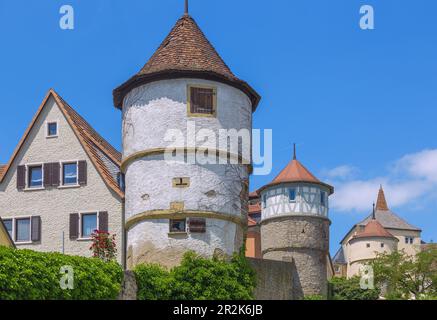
x=413, y=176
x=341, y=172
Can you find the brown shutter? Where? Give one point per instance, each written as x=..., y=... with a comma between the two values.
x=74, y=226
x=21, y=177
x=47, y=175
x=55, y=173
x=103, y=221
x=82, y=173
x=36, y=229
x=197, y=225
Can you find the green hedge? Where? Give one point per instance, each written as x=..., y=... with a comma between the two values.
x=30, y=275
x=349, y=289
x=197, y=278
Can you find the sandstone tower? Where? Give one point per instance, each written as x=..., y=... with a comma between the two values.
x=175, y=206
x=295, y=226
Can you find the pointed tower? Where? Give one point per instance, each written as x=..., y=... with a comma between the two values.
x=295, y=226
x=176, y=205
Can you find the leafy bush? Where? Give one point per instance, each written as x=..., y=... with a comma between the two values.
x=30, y=275
x=197, y=278
x=349, y=289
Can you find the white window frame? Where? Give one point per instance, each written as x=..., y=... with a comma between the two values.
x=32, y=165
x=84, y=213
x=61, y=174
x=47, y=129
x=14, y=229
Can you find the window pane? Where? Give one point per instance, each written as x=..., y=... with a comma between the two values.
x=23, y=229
x=35, y=177
x=322, y=198
x=52, y=129
x=8, y=224
x=70, y=173
x=89, y=224
x=177, y=226
x=292, y=194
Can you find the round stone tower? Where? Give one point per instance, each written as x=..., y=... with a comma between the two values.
x=295, y=227
x=367, y=243
x=175, y=112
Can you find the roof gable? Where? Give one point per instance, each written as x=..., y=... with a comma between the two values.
x=97, y=148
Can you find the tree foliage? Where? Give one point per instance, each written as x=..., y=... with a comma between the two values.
x=197, y=278
x=350, y=289
x=405, y=276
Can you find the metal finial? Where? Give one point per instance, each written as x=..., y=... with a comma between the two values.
x=294, y=151
x=373, y=213
x=186, y=7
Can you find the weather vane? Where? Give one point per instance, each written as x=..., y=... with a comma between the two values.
x=186, y=7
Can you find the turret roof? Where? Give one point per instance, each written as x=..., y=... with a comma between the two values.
x=185, y=52
x=374, y=229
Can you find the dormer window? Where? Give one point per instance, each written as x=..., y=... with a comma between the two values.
x=202, y=101
x=52, y=129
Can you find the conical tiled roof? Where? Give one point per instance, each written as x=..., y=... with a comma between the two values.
x=186, y=48
x=185, y=52
x=373, y=229
x=381, y=203
x=296, y=172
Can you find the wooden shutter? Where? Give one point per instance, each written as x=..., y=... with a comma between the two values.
x=74, y=226
x=36, y=229
x=21, y=177
x=197, y=225
x=55, y=173
x=82, y=173
x=103, y=221
x=47, y=175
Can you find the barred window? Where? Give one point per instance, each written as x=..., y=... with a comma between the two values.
x=202, y=100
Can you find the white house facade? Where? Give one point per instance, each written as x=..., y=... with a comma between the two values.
x=61, y=184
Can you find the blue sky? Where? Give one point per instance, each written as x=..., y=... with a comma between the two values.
x=361, y=105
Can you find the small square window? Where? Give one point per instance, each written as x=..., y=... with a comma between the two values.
x=202, y=101
x=178, y=225
x=69, y=173
x=52, y=129
x=8, y=225
x=89, y=224
x=382, y=245
x=22, y=233
x=35, y=177
x=368, y=245
x=292, y=194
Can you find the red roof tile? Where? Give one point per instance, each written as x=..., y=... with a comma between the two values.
x=251, y=222
x=373, y=229
x=185, y=52
x=381, y=203
x=296, y=172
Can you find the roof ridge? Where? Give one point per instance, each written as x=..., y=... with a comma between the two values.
x=100, y=142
